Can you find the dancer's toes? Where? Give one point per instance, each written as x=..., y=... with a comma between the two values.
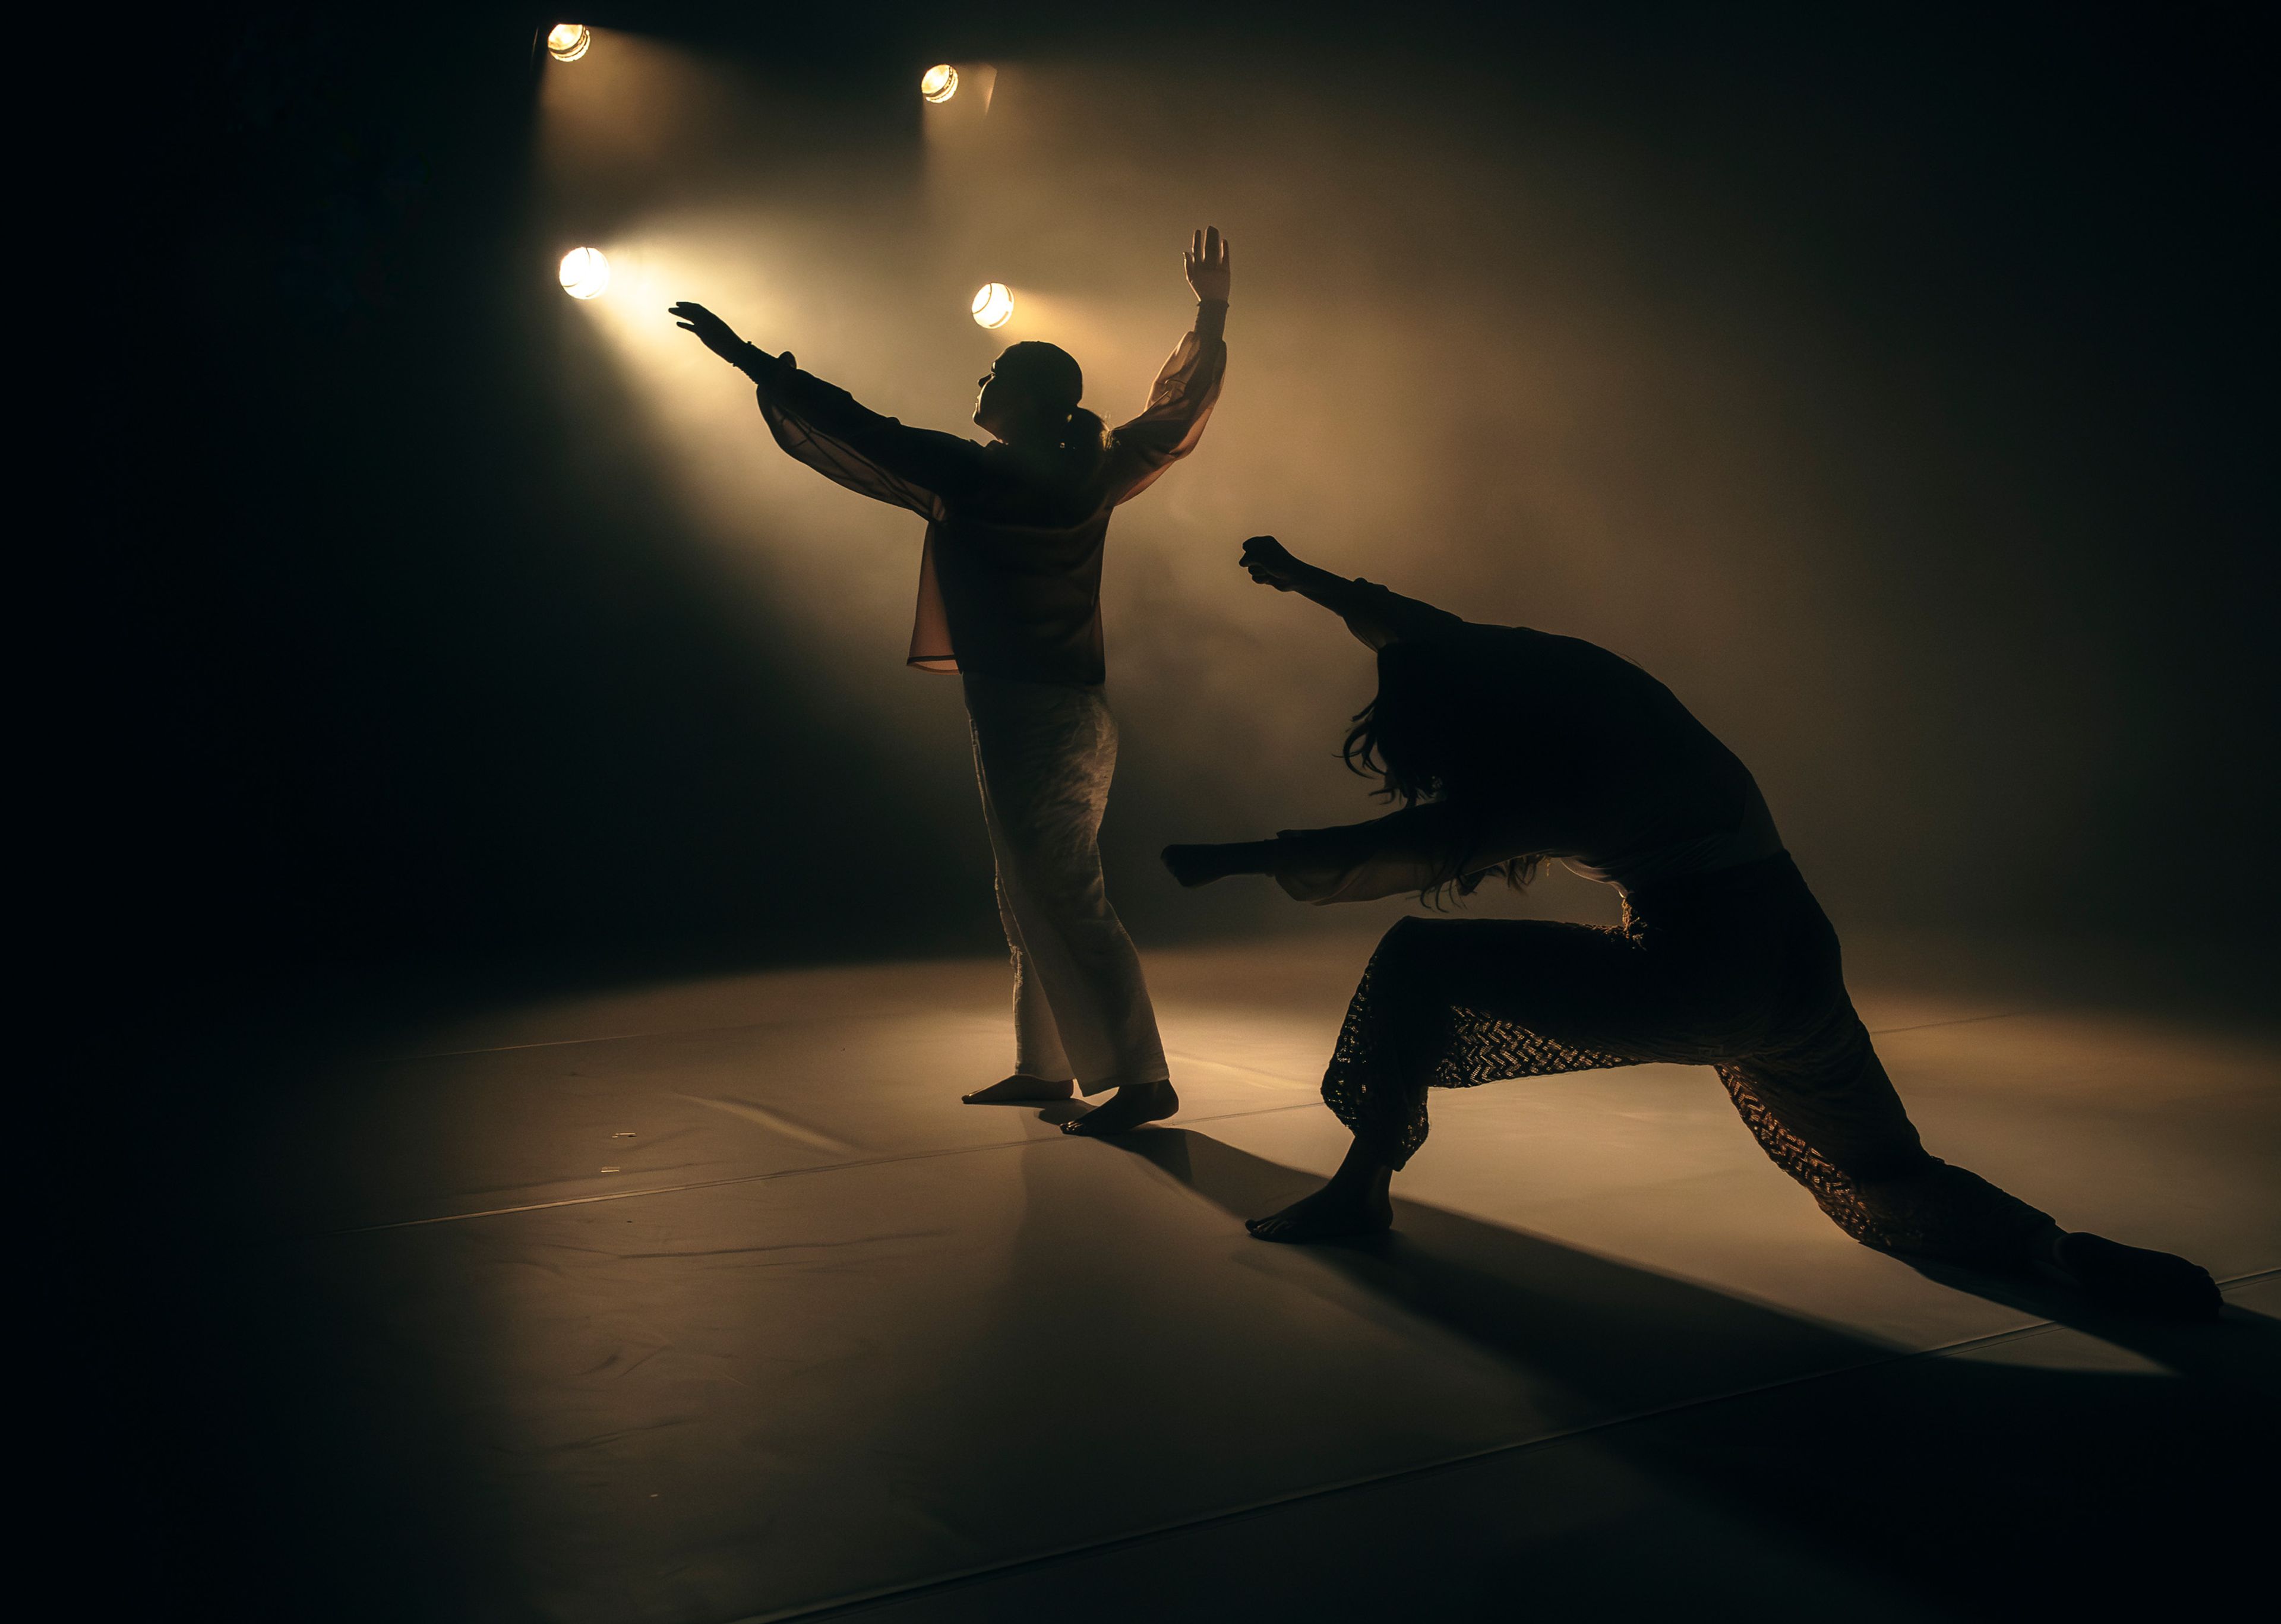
x=1330, y=1214
x=1020, y=1090
x=1127, y=1108
x=2137, y=1280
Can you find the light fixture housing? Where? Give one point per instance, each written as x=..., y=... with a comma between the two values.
x=939, y=82
x=585, y=274
x=994, y=305
x=566, y=41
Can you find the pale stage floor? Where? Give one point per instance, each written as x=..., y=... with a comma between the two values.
x=708, y=1300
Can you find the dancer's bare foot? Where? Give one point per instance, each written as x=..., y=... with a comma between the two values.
x=1126, y=1110
x=2136, y=1280
x=1020, y=1090
x=1338, y=1210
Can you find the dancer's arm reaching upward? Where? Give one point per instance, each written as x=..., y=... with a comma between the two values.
x=1414, y=849
x=1375, y=616
x=824, y=427
x=1182, y=397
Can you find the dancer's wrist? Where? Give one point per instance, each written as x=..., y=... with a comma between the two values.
x=1245, y=857
x=1320, y=585
x=1212, y=318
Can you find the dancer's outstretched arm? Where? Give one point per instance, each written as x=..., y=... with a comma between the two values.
x=1182, y=397
x=1409, y=850
x=1375, y=616
x=825, y=427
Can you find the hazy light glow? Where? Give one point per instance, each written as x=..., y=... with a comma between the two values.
x=993, y=305
x=939, y=82
x=585, y=274
x=566, y=41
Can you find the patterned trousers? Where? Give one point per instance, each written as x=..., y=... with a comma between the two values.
x=1738, y=971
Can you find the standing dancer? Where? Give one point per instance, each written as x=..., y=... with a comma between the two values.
x=1009, y=598
x=1508, y=746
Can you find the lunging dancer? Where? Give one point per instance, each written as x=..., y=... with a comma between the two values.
x=1009, y=598
x=1508, y=746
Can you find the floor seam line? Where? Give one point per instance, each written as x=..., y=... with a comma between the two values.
x=868, y=1600
x=714, y=1183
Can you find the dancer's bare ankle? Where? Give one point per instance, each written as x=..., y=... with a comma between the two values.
x=1362, y=1172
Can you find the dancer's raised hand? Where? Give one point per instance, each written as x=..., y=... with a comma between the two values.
x=716, y=335
x=1271, y=564
x=1209, y=265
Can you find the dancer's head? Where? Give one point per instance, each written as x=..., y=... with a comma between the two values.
x=1413, y=734
x=1439, y=730
x=1029, y=398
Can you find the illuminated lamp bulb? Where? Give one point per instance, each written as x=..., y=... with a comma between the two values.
x=566, y=41
x=939, y=82
x=585, y=274
x=993, y=305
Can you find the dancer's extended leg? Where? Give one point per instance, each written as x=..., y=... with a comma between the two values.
x=1459, y=1002
x=1869, y=1174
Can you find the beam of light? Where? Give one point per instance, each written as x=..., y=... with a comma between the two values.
x=955, y=111
x=566, y=41
x=993, y=305
x=833, y=572
x=585, y=274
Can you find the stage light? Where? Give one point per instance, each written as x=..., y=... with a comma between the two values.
x=585, y=274
x=566, y=41
x=939, y=82
x=992, y=305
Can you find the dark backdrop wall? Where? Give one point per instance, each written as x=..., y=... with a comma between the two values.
x=1895, y=386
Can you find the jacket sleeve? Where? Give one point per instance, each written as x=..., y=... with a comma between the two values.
x=1378, y=617
x=825, y=427
x=1179, y=404
x=1407, y=850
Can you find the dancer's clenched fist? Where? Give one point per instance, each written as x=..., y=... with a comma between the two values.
x=1270, y=563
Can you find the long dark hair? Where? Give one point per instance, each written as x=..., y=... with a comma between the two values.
x=1050, y=376
x=1428, y=735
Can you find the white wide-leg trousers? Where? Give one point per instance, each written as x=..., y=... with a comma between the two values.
x=1044, y=755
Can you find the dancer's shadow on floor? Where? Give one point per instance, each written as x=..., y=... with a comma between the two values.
x=2031, y=1484
x=1493, y=1282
